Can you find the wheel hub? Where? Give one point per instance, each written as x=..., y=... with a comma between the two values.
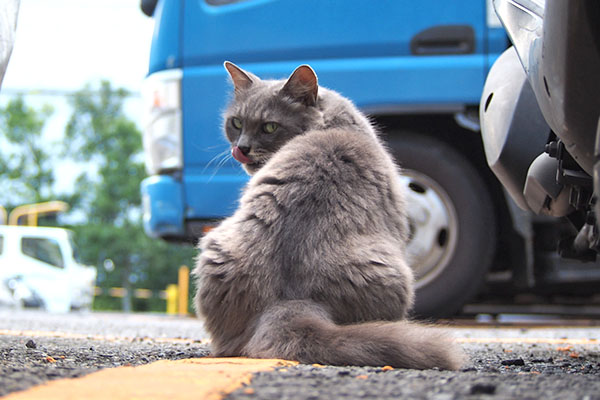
x=433, y=226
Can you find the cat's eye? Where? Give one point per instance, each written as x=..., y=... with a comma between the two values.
x=270, y=127
x=236, y=122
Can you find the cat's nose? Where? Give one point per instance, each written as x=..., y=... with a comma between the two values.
x=244, y=149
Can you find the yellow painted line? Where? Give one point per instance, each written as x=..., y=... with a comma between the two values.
x=527, y=340
x=196, y=378
x=66, y=335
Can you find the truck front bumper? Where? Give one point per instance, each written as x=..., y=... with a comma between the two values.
x=162, y=200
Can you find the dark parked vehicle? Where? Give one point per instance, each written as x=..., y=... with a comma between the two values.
x=539, y=112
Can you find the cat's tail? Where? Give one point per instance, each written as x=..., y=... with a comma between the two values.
x=302, y=330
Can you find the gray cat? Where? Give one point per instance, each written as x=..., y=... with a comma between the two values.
x=312, y=265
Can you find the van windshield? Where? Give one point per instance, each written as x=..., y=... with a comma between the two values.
x=43, y=249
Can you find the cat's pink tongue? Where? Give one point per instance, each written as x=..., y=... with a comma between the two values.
x=238, y=155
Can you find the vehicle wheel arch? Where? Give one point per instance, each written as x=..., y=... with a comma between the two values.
x=509, y=249
x=443, y=127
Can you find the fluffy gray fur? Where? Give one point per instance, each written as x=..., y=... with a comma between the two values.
x=312, y=265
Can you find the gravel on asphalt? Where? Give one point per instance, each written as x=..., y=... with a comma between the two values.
x=564, y=364
x=26, y=362
x=498, y=371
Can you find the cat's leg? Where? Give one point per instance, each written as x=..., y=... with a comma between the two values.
x=221, y=298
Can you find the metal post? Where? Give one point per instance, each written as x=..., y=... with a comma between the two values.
x=31, y=211
x=184, y=284
x=172, y=299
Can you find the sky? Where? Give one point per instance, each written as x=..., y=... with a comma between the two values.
x=61, y=45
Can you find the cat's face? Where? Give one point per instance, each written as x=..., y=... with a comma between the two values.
x=264, y=115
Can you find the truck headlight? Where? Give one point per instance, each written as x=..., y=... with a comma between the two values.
x=161, y=97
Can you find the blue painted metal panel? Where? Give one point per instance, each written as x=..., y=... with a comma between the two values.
x=165, y=52
x=162, y=198
x=369, y=82
x=275, y=30
x=213, y=195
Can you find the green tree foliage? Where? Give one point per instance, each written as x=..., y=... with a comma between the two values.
x=106, y=196
x=139, y=261
x=25, y=159
x=100, y=132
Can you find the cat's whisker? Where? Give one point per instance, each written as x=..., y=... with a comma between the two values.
x=211, y=148
x=224, y=158
x=220, y=155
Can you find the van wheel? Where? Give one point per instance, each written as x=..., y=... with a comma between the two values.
x=452, y=224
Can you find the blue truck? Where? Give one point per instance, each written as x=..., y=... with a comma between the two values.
x=416, y=68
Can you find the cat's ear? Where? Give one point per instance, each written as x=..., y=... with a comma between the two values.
x=302, y=85
x=241, y=79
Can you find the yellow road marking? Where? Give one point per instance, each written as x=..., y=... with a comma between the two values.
x=196, y=378
x=200, y=378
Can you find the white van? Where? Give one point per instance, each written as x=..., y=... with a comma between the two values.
x=39, y=267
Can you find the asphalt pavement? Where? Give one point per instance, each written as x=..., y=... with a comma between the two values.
x=507, y=361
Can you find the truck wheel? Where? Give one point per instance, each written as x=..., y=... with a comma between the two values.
x=452, y=224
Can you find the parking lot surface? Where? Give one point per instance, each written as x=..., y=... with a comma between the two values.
x=560, y=360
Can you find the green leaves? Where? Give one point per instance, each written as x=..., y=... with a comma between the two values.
x=25, y=159
x=106, y=196
x=99, y=131
x=98, y=124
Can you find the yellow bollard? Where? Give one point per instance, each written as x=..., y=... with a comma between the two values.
x=172, y=299
x=184, y=285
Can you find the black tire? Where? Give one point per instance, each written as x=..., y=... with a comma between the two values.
x=467, y=244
